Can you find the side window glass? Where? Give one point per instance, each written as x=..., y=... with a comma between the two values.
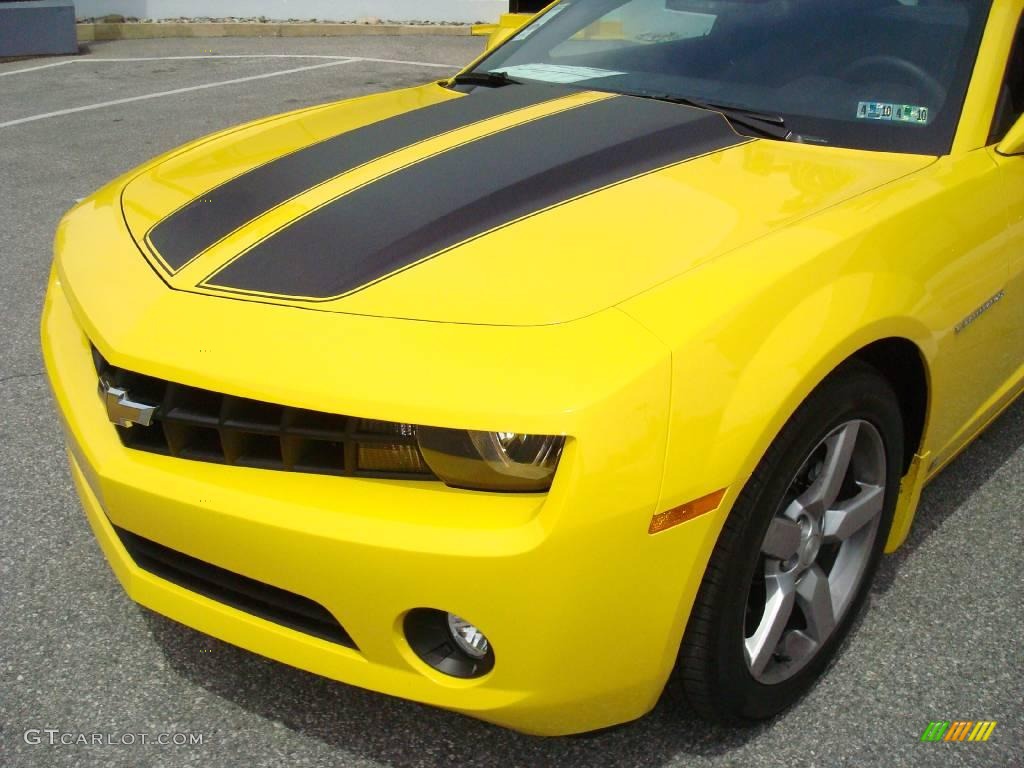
x=1011, y=98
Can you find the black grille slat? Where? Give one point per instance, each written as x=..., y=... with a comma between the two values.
x=201, y=425
x=252, y=416
x=317, y=426
x=191, y=406
x=240, y=592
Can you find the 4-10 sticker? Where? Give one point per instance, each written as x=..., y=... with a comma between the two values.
x=896, y=113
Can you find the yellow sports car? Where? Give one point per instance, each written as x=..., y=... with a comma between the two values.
x=627, y=350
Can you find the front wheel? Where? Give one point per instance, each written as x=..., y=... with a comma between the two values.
x=795, y=559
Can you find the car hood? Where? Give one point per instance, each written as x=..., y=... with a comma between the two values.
x=521, y=205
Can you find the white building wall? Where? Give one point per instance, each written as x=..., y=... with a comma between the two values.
x=327, y=10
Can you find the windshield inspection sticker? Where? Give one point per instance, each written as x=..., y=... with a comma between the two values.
x=557, y=73
x=894, y=113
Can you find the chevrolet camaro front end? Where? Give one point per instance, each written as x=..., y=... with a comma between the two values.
x=626, y=351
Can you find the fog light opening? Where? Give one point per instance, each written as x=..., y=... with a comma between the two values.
x=450, y=644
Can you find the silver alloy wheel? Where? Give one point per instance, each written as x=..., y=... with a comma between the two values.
x=815, y=552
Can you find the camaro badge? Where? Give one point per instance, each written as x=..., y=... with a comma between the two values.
x=122, y=410
x=972, y=318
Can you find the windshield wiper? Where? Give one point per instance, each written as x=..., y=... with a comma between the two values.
x=486, y=79
x=770, y=126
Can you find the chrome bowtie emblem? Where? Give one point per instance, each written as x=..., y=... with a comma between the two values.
x=122, y=410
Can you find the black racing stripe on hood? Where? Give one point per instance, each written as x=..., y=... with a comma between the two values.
x=422, y=210
x=192, y=229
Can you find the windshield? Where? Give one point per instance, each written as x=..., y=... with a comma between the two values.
x=886, y=75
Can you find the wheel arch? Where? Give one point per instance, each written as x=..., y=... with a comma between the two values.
x=742, y=372
x=889, y=348
x=903, y=365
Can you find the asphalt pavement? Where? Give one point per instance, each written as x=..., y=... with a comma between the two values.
x=941, y=639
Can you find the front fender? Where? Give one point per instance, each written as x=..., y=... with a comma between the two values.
x=752, y=335
x=738, y=380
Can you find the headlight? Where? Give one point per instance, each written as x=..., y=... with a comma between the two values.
x=491, y=461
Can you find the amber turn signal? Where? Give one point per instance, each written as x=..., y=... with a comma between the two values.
x=673, y=517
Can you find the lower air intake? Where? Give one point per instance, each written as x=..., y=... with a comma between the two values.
x=245, y=594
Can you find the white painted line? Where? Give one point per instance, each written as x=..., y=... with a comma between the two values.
x=214, y=57
x=453, y=67
x=175, y=92
x=36, y=69
x=233, y=56
x=109, y=60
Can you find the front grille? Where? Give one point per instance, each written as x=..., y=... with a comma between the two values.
x=201, y=425
x=245, y=594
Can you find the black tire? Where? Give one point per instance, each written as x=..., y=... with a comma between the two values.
x=712, y=672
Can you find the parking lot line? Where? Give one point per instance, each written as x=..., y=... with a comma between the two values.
x=412, y=63
x=109, y=60
x=175, y=92
x=407, y=62
x=318, y=56
x=36, y=69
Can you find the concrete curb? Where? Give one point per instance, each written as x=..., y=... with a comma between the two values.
x=89, y=33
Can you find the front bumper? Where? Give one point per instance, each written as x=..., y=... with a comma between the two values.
x=584, y=609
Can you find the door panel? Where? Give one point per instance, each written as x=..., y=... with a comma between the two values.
x=1011, y=109
x=1012, y=170
x=968, y=306
x=991, y=344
